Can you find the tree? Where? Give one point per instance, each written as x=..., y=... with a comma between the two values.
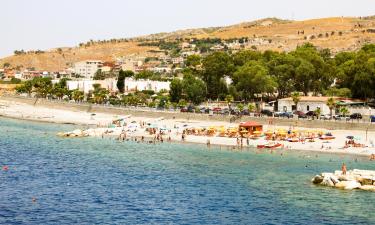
x=121, y=79
x=182, y=103
x=193, y=61
x=253, y=78
x=194, y=89
x=15, y=80
x=100, y=94
x=99, y=75
x=331, y=105
x=229, y=99
x=6, y=65
x=318, y=111
x=176, y=90
x=251, y=107
x=42, y=86
x=240, y=107
x=344, y=111
x=26, y=87
x=296, y=98
x=242, y=57
x=78, y=95
x=216, y=66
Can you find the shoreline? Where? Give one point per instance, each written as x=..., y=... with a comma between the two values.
x=23, y=111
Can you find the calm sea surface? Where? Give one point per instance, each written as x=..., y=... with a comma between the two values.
x=102, y=181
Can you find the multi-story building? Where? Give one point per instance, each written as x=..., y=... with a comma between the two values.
x=87, y=68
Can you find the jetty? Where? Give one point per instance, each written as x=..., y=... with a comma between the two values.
x=353, y=179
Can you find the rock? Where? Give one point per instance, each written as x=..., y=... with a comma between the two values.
x=327, y=182
x=346, y=177
x=348, y=185
x=365, y=180
x=367, y=188
x=77, y=132
x=334, y=179
x=317, y=179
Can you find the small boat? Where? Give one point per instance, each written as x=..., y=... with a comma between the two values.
x=293, y=140
x=273, y=145
x=269, y=145
x=325, y=137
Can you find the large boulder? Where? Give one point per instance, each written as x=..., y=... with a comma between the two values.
x=327, y=182
x=317, y=179
x=365, y=180
x=367, y=188
x=348, y=185
x=77, y=133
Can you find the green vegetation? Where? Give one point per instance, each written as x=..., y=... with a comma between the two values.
x=252, y=75
x=121, y=79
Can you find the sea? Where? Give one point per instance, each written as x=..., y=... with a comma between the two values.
x=45, y=179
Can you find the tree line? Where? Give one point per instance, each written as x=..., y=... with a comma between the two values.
x=273, y=75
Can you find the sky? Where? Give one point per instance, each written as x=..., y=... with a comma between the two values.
x=45, y=24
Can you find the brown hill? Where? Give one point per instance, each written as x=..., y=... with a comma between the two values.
x=337, y=34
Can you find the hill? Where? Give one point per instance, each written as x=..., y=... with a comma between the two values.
x=337, y=34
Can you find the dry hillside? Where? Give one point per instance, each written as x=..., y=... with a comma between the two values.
x=338, y=34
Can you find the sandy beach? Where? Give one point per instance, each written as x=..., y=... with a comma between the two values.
x=99, y=126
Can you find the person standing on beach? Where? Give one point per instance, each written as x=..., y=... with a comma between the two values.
x=343, y=169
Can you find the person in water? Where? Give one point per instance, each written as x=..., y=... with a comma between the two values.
x=343, y=169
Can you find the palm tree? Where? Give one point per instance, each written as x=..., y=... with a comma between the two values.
x=344, y=111
x=251, y=107
x=318, y=111
x=78, y=95
x=229, y=100
x=296, y=98
x=331, y=105
x=240, y=107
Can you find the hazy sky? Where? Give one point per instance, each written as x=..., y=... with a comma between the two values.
x=44, y=24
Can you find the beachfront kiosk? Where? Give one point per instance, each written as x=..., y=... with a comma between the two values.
x=251, y=127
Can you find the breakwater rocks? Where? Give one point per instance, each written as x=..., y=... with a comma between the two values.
x=75, y=133
x=353, y=179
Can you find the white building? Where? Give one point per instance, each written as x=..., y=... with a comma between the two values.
x=306, y=103
x=161, y=70
x=132, y=85
x=87, y=68
x=88, y=85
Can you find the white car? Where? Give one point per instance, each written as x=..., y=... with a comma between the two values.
x=341, y=117
x=325, y=117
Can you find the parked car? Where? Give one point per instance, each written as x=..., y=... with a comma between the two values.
x=341, y=117
x=245, y=112
x=300, y=114
x=286, y=115
x=202, y=110
x=356, y=116
x=311, y=114
x=224, y=112
x=190, y=108
x=266, y=112
x=183, y=109
x=325, y=117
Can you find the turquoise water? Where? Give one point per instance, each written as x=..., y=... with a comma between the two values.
x=102, y=181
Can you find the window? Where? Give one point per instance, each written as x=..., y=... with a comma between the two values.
x=308, y=108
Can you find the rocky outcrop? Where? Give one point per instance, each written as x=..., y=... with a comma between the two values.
x=75, y=133
x=353, y=179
